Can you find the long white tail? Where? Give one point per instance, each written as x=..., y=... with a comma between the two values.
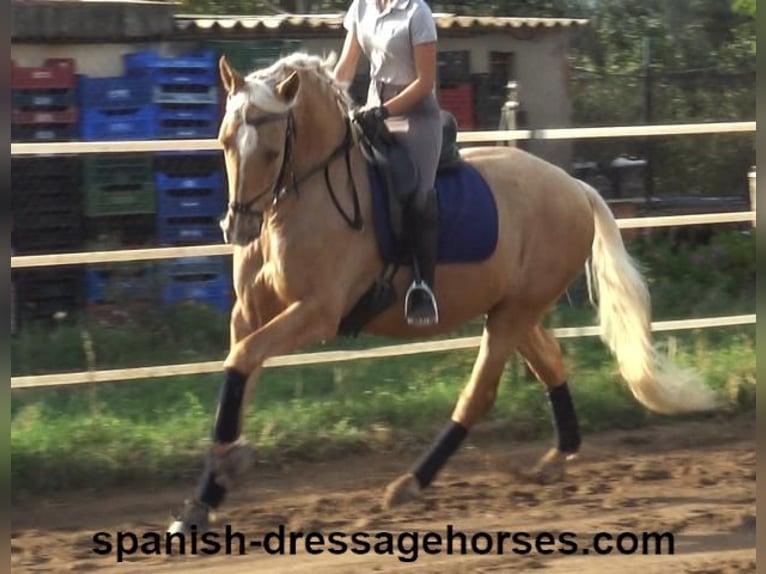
x=624, y=308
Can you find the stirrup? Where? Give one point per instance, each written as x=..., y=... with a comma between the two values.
x=420, y=287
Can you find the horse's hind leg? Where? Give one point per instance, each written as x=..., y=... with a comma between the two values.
x=542, y=353
x=501, y=335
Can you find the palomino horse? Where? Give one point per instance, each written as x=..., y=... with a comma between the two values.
x=302, y=263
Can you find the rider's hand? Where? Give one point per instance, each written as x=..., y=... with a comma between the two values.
x=371, y=117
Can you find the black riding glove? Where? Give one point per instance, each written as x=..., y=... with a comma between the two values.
x=369, y=119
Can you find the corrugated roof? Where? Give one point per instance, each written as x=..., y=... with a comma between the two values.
x=332, y=22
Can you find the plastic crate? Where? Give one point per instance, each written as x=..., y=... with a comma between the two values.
x=116, y=283
x=134, y=231
x=186, y=94
x=188, y=163
x=121, y=185
x=174, y=128
x=118, y=124
x=43, y=132
x=47, y=176
x=34, y=233
x=188, y=230
x=43, y=294
x=54, y=73
x=193, y=68
x=37, y=117
x=253, y=55
x=180, y=196
x=187, y=120
x=197, y=280
x=43, y=99
x=120, y=92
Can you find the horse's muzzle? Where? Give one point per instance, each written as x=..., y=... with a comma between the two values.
x=241, y=229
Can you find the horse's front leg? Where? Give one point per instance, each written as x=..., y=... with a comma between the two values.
x=302, y=323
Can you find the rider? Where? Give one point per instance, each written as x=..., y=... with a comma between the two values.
x=399, y=39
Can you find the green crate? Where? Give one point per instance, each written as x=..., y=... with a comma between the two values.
x=119, y=185
x=246, y=57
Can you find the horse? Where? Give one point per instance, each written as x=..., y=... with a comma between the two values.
x=308, y=244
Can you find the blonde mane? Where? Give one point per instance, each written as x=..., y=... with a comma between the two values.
x=260, y=83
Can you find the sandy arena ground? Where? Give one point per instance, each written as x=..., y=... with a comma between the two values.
x=695, y=480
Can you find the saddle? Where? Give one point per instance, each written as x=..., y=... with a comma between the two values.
x=467, y=213
x=398, y=171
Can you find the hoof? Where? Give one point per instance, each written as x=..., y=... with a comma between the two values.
x=552, y=467
x=232, y=467
x=401, y=491
x=195, y=514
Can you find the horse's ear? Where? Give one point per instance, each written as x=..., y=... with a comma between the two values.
x=287, y=89
x=232, y=80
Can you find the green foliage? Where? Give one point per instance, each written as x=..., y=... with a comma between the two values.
x=686, y=278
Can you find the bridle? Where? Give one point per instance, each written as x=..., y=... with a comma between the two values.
x=279, y=189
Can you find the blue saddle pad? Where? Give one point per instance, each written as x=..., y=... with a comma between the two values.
x=468, y=226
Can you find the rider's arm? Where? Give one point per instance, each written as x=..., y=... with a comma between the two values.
x=425, y=67
x=345, y=68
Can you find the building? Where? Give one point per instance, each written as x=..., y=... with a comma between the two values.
x=478, y=55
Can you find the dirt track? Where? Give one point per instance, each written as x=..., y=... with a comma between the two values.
x=694, y=480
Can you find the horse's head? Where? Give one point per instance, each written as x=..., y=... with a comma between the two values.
x=263, y=156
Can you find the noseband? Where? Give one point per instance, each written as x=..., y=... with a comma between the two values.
x=278, y=189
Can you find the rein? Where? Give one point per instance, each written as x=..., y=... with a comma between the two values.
x=278, y=189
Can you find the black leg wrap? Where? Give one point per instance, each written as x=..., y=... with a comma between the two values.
x=208, y=490
x=443, y=447
x=565, y=419
x=229, y=405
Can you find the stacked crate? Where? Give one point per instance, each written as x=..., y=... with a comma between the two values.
x=120, y=207
x=190, y=200
x=44, y=101
x=116, y=108
x=247, y=57
x=47, y=218
x=455, y=92
x=185, y=95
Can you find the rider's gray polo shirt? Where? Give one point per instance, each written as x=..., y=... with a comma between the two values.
x=387, y=36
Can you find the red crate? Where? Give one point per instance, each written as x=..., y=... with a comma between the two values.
x=68, y=116
x=456, y=95
x=54, y=73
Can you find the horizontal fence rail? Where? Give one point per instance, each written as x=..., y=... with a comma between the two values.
x=302, y=359
x=462, y=137
x=113, y=375
x=124, y=255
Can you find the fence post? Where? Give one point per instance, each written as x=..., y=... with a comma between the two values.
x=751, y=179
x=508, y=113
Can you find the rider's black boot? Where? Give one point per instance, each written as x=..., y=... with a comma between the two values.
x=421, y=309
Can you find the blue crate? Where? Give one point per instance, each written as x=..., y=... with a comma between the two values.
x=105, y=285
x=206, y=282
x=45, y=98
x=186, y=94
x=188, y=230
x=119, y=92
x=118, y=124
x=188, y=112
x=187, y=120
x=199, y=195
x=189, y=69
